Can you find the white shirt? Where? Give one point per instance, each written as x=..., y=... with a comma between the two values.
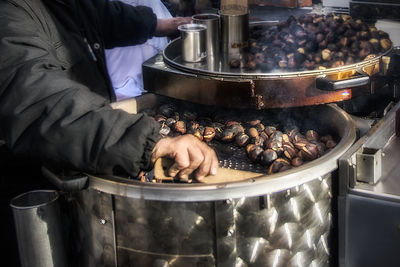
x=124, y=64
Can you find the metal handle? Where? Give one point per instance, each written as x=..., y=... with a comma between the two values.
x=74, y=182
x=326, y=84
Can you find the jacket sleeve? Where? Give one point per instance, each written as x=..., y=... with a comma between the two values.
x=49, y=117
x=123, y=24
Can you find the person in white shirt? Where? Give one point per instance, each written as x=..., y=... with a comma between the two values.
x=124, y=64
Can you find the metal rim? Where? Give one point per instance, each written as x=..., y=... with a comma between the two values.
x=253, y=187
x=210, y=17
x=14, y=203
x=263, y=75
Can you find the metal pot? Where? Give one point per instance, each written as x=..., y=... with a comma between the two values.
x=219, y=84
x=282, y=219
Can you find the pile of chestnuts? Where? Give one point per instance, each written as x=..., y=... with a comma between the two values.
x=269, y=145
x=313, y=41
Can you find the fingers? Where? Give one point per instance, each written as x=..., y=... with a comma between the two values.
x=195, y=159
x=189, y=155
x=209, y=166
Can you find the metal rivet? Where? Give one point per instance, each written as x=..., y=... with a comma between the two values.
x=96, y=46
x=103, y=221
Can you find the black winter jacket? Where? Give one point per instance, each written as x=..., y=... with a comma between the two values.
x=55, y=90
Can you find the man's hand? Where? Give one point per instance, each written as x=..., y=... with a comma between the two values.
x=189, y=155
x=166, y=27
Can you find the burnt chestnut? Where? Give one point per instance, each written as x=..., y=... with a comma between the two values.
x=259, y=58
x=255, y=153
x=259, y=141
x=170, y=122
x=175, y=116
x=234, y=63
x=299, y=144
x=297, y=162
x=269, y=130
x=242, y=139
x=251, y=65
x=330, y=144
x=230, y=123
x=325, y=138
x=228, y=135
x=260, y=127
x=268, y=156
x=264, y=136
x=254, y=122
x=237, y=128
x=320, y=147
x=160, y=118
x=338, y=63
x=319, y=37
x=289, y=151
x=312, y=135
x=192, y=126
x=219, y=129
x=189, y=116
x=249, y=148
x=167, y=110
x=277, y=165
x=310, y=151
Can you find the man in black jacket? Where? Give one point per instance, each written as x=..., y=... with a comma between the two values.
x=55, y=92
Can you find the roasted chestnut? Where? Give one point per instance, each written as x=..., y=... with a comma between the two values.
x=268, y=156
x=255, y=153
x=209, y=133
x=312, y=135
x=180, y=127
x=252, y=132
x=242, y=139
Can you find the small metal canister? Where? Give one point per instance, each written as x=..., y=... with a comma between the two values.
x=38, y=225
x=235, y=34
x=212, y=32
x=193, y=42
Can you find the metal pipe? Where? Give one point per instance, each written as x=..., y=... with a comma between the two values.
x=38, y=228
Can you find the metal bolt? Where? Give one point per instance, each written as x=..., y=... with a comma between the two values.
x=103, y=221
x=96, y=46
x=228, y=201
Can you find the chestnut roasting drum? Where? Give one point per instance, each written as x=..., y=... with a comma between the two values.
x=269, y=112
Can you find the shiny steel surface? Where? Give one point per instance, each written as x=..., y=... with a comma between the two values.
x=286, y=228
x=39, y=229
x=171, y=55
x=193, y=38
x=212, y=33
x=324, y=116
x=93, y=239
x=234, y=34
